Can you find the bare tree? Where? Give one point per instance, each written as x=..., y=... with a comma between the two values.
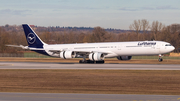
x=46, y=37
x=136, y=26
x=175, y=28
x=99, y=34
x=4, y=40
x=156, y=28
x=145, y=26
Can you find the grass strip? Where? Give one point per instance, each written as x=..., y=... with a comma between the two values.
x=91, y=81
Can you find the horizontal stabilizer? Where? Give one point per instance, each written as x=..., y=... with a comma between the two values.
x=19, y=46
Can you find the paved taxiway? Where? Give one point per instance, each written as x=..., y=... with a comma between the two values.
x=84, y=97
x=34, y=65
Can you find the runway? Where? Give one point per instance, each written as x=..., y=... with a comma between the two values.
x=84, y=97
x=41, y=65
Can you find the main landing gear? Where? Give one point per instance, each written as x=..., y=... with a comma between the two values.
x=160, y=58
x=91, y=62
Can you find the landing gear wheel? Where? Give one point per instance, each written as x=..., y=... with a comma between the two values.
x=86, y=61
x=82, y=61
x=89, y=61
x=100, y=62
x=160, y=59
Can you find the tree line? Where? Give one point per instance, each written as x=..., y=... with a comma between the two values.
x=140, y=30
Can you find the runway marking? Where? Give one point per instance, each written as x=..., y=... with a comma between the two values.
x=6, y=65
x=32, y=65
x=74, y=97
x=34, y=96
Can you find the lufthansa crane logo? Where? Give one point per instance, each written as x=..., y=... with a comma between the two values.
x=31, y=38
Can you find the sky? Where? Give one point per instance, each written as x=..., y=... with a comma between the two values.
x=118, y=14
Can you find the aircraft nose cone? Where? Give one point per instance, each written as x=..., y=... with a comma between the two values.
x=173, y=48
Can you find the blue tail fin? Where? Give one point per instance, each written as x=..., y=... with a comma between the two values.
x=32, y=38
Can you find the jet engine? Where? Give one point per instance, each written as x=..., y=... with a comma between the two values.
x=96, y=56
x=67, y=54
x=124, y=57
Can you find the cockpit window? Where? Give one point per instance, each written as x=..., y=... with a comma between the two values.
x=168, y=45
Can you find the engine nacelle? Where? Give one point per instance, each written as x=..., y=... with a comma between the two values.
x=124, y=57
x=96, y=56
x=67, y=54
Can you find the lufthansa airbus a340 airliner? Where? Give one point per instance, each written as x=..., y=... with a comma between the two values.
x=96, y=52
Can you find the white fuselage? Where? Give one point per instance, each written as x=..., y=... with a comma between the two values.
x=114, y=49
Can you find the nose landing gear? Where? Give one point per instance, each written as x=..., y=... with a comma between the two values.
x=160, y=58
